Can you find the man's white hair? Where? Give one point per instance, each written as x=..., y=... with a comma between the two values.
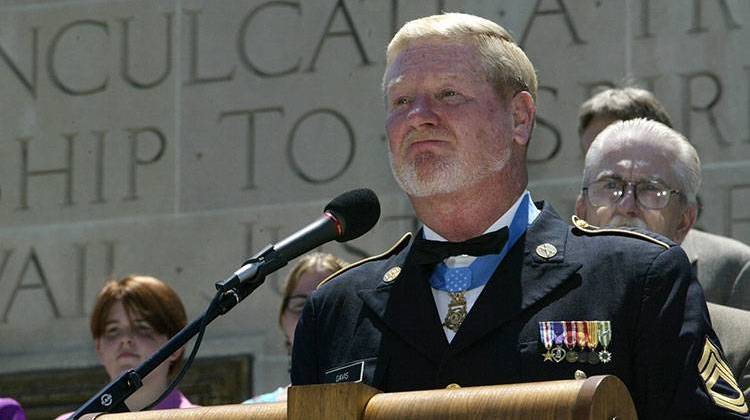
x=686, y=166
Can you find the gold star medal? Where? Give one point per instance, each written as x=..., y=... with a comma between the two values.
x=547, y=334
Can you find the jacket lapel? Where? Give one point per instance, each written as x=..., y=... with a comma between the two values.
x=407, y=307
x=522, y=279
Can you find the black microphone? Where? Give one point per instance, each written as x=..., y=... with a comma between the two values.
x=346, y=217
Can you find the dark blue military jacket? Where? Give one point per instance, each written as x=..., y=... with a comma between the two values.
x=377, y=322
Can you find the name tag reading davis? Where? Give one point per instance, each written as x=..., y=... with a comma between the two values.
x=353, y=372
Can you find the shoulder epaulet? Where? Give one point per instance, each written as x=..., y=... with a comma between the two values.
x=396, y=248
x=590, y=229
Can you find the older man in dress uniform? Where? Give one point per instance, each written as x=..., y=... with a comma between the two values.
x=496, y=288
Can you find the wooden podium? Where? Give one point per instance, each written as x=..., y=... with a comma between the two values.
x=599, y=397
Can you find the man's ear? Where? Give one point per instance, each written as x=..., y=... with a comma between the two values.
x=581, y=207
x=687, y=219
x=524, y=111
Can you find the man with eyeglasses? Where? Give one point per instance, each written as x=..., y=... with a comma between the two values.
x=723, y=264
x=642, y=174
x=630, y=179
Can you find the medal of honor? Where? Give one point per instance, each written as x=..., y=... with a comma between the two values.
x=570, y=341
x=456, y=311
x=605, y=337
x=547, y=334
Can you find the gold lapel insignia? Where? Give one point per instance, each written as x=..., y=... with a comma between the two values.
x=582, y=224
x=711, y=368
x=391, y=274
x=546, y=251
x=395, y=249
x=590, y=229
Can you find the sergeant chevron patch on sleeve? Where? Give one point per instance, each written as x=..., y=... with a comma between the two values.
x=719, y=380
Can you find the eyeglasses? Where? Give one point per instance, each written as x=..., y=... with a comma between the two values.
x=294, y=303
x=648, y=194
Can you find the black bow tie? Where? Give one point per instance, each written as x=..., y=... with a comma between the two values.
x=432, y=252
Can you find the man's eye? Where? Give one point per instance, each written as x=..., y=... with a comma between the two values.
x=448, y=93
x=612, y=185
x=402, y=100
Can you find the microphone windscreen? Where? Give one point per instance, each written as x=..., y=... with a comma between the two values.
x=357, y=211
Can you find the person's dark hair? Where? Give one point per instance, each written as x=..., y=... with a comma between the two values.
x=148, y=297
x=623, y=104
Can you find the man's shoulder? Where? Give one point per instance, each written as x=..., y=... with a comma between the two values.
x=364, y=273
x=594, y=247
x=625, y=236
x=580, y=233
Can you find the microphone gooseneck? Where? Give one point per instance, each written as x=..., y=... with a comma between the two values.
x=346, y=217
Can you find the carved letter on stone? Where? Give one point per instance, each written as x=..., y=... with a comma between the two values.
x=51, y=54
x=557, y=137
x=645, y=20
x=125, y=56
x=688, y=107
x=6, y=256
x=557, y=141
x=29, y=82
x=561, y=10
x=250, y=114
x=43, y=284
x=292, y=136
x=328, y=33
x=195, y=78
x=82, y=268
x=81, y=253
x=67, y=171
x=242, y=39
x=729, y=21
x=99, y=168
x=134, y=134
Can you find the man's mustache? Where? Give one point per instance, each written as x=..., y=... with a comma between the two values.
x=624, y=221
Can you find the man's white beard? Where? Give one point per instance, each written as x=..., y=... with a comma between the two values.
x=623, y=221
x=442, y=176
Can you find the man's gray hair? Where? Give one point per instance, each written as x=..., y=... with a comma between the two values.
x=687, y=165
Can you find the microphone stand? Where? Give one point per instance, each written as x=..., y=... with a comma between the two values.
x=111, y=398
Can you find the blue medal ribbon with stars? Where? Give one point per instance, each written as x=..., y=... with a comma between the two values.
x=459, y=279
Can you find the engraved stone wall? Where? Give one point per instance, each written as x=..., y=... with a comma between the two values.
x=176, y=138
